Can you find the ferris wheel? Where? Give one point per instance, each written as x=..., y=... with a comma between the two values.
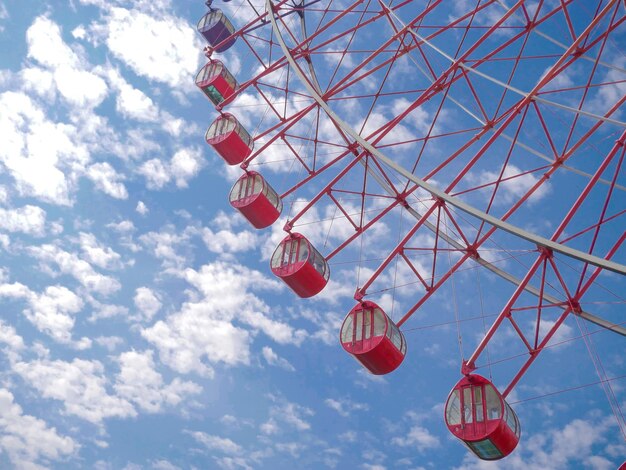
x=417, y=143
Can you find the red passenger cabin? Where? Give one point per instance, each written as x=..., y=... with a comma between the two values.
x=373, y=339
x=479, y=416
x=300, y=265
x=229, y=139
x=215, y=27
x=256, y=200
x=216, y=82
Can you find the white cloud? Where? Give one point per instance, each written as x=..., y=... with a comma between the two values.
x=345, y=407
x=563, y=333
x=5, y=241
x=274, y=359
x=147, y=302
x=124, y=226
x=348, y=436
x=35, y=150
x=233, y=463
x=186, y=164
x=142, y=208
x=230, y=288
x=79, y=32
x=599, y=463
x=608, y=95
x=328, y=322
x=81, y=270
x=515, y=186
x=418, y=437
x=52, y=311
x=192, y=335
x=555, y=449
x=75, y=83
x=270, y=427
x=14, y=291
x=107, y=180
x=28, y=219
x=80, y=88
x=95, y=253
x=101, y=310
x=228, y=420
x=418, y=118
x=44, y=36
x=295, y=449
x=26, y=439
x=140, y=383
x=167, y=244
x=221, y=444
x=109, y=342
x=562, y=80
x=164, y=465
x=134, y=103
x=156, y=173
x=289, y=413
x=226, y=241
x=177, y=127
x=39, y=82
x=4, y=13
x=80, y=385
x=136, y=38
x=365, y=378
x=202, y=333
x=9, y=336
x=4, y=194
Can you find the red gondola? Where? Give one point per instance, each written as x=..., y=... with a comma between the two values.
x=300, y=265
x=229, y=139
x=216, y=81
x=479, y=416
x=256, y=200
x=373, y=339
x=215, y=27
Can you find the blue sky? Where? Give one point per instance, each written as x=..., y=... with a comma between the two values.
x=141, y=327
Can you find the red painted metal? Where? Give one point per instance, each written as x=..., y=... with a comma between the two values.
x=479, y=416
x=229, y=139
x=368, y=334
x=256, y=200
x=300, y=265
x=216, y=82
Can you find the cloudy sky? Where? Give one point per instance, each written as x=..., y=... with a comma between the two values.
x=141, y=327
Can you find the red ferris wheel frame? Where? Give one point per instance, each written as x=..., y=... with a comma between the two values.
x=549, y=277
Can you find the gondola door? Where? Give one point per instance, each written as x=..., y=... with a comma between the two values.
x=362, y=335
x=473, y=407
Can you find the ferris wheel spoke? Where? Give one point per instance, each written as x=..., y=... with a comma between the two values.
x=571, y=302
x=490, y=128
x=437, y=193
x=524, y=286
x=560, y=296
x=552, y=40
x=572, y=51
x=583, y=196
x=461, y=245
